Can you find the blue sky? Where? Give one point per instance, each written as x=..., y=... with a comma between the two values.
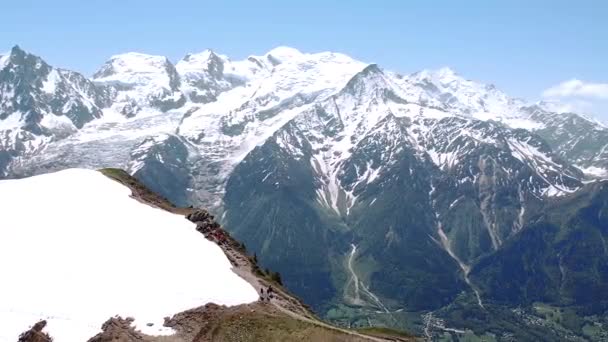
x=526, y=48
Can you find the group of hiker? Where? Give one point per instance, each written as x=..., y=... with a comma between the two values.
x=218, y=235
x=208, y=226
x=267, y=295
x=213, y=232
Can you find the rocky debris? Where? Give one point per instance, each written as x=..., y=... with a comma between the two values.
x=35, y=334
x=206, y=224
x=200, y=215
x=118, y=329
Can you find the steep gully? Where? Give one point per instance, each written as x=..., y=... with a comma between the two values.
x=444, y=242
x=359, y=286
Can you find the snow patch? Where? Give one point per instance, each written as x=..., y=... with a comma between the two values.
x=284, y=53
x=594, y=171
x=50, y=84
x=134, y=66
x=443, y=159
x=57, y=123
x=11, y=122
x=101, y=253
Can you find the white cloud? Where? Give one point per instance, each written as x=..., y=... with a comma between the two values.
x=578, y=88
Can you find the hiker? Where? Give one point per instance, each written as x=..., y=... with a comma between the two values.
x=262, y=294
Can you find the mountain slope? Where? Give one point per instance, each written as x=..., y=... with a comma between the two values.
x=560, y=259
x=36, y=96
x=578, y=139
x=548, y=282
x=376, y=194
x=140, y=81
x=39, y=102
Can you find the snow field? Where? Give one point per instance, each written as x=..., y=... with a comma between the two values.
x=76, y=249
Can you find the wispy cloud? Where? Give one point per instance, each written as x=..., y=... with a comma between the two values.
x=569, y=106
x=578, y=88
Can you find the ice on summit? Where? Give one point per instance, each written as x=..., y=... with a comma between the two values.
x=282, y=54
x=132, y=67
x=140, y=80
x=444, y=87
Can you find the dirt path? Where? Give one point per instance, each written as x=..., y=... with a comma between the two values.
x=282, y=301
x=242, y=267
x=325, y=325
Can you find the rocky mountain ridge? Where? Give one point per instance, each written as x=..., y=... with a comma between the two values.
x=262, y=93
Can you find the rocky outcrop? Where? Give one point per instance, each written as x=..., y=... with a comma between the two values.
x=118, y=329
x=200, y=215
x=35, y=334
x=206, y=224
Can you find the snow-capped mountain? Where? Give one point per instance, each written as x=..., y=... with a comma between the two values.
x=352, y=155
x=141, y=81
x=41, y=99
x=227, y=107
x=39, y=103
x=315, y=158
x=208, y=74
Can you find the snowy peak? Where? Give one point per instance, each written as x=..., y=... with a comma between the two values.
x=44, y=100
x=444, y=75
x=204, y=76
x=14, y=55
x=27, y=65
x=132, y=62
x=141, y=81
x=323, y=72
x=206, y=60
x=370, y=79
x=459, y=96
x=243, y=102
x=282, y=54
x=137, y=69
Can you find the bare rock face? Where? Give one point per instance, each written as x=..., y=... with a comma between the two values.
x=205, y=222
x=35, y=334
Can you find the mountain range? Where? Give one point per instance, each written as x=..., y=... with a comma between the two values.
x=425, y=201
